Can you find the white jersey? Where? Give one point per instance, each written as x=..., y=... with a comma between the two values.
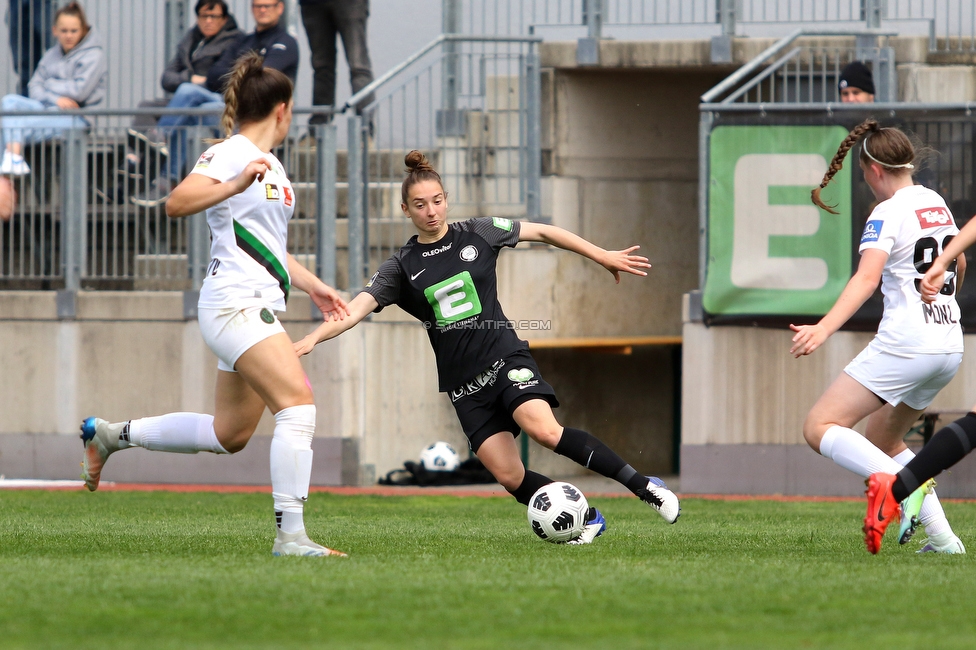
x=248, y=258
x=913, y=227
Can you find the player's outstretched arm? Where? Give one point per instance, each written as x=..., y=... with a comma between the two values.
x=358, y=308
x=197, y=192
x=613, y=261
x=327, y=299
x=859, y=288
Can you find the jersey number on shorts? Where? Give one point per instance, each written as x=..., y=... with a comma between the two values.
x=926, y=250
x=454, y=299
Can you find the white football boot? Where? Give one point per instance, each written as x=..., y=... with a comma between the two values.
x=658, y=496
x=595, y=525
x=299, y=544
x=946, y=543
x=101, y=439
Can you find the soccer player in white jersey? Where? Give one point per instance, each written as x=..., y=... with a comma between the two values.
x=918, y=347
x=947, y=447
x=249, y=201
x=445, y=277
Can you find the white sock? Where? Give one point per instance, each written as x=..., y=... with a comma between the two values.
x=932, y=516
x=180, y=433
x=852, y=451
x=291, y=465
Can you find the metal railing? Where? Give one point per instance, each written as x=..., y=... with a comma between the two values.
x=139, y=37
x=784, y=73
x=76, y=225
x=949, y=24
x=471, y=104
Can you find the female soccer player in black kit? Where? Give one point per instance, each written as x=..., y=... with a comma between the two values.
x=445, y=278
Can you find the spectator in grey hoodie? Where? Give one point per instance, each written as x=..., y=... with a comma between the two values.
x=70, y=75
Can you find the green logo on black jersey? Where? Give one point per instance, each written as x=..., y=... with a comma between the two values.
x=454, y=299
x=504, y=224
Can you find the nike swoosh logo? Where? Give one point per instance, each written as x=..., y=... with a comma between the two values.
x=881, y=507
x=416, y=275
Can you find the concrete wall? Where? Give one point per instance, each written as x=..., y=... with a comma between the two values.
x=745, y=401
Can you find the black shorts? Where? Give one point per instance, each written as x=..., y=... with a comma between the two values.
x=485, y=404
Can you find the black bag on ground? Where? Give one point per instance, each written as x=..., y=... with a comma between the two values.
x=470, y=472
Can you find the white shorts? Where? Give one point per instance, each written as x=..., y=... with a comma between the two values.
x=913, y=379
x=229, y=333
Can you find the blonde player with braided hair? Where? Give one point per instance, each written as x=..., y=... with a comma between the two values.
x=249, y=200
x=918, y=347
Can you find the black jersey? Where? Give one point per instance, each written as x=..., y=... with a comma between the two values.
x=451, y=288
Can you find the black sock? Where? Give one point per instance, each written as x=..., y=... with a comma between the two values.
x=588, y=451
x=531, y=483
x=946, y=448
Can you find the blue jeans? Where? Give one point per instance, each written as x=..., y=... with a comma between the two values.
x=34, y=128
x=30, y=35
x=187, y=95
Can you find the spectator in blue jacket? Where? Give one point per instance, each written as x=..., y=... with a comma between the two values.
x=270, y=40
x=70, y=75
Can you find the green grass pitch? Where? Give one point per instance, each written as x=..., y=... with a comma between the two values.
x=179, y=570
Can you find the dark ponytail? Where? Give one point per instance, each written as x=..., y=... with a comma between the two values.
x=418, y=170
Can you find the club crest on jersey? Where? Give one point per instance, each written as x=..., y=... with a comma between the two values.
x=271, y=192
x=933, y=217
x=204, y=160
x=872, y=230
x=289, y=197
x=469, y=253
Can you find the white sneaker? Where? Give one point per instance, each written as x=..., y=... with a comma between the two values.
x=658, y=496
x=947, y=543
x=299, y=544
x=13, y=164
x=101, y=439
x=595, y=525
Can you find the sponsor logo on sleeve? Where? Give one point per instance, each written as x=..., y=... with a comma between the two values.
x=372, y=279
x=204, y=160
x=504, y=224
x=289, y=197
x=271, y=192
x=872, y=231
x=933, y=217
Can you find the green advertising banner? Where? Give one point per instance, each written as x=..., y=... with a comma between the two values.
x=770, y=250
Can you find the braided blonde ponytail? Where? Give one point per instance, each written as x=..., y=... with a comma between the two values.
x=838, y=161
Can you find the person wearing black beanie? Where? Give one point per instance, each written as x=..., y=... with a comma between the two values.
x=856, y=84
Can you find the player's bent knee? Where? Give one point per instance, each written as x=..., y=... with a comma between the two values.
x=547, y=437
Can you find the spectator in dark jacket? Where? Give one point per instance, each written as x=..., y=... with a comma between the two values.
x=270, y=40
x=215, y=31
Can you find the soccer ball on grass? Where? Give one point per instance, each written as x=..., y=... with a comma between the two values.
x=557, y=512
